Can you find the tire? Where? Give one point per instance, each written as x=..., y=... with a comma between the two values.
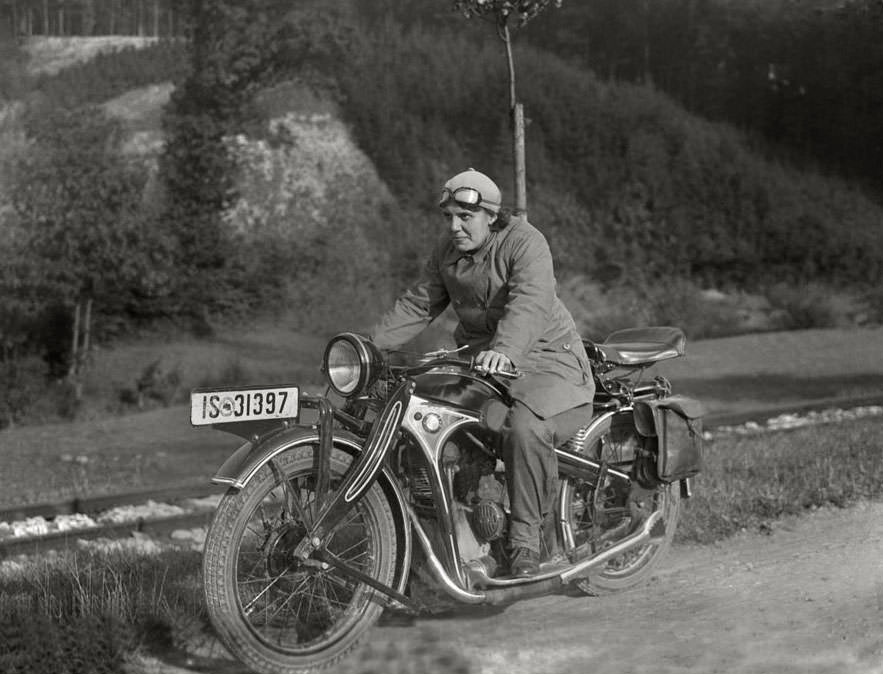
x=276, y=613
x=634, y=567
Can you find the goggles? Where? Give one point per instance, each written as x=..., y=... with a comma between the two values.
x=465, y=197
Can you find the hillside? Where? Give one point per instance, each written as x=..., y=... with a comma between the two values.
x=654, y=215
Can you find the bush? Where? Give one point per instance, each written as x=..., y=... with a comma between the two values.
x=816, y=305
x=701, y=315
x=21, y=384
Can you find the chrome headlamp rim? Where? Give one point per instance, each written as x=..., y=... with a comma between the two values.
x=367, y=366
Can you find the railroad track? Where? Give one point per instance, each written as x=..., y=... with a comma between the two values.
x=194, y=517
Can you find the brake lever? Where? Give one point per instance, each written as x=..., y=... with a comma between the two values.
x=440, y=353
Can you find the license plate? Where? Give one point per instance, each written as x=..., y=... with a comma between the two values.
x=228, y=405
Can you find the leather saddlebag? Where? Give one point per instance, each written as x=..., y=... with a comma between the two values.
x=676, y=425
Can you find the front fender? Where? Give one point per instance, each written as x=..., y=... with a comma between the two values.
x=241, y=466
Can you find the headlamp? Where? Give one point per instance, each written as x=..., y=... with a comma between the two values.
x=351, y=363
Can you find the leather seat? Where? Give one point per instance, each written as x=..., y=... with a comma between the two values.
x=634, y=347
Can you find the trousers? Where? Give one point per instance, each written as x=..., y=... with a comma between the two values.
x=529, y=443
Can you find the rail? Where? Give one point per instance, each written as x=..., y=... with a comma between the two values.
x=200, y=517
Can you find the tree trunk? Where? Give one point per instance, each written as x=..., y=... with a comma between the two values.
x=75, y=343
x=46, y=18
x=87, y=333
x=648, y=75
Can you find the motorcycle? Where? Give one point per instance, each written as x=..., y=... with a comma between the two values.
x=336, y=504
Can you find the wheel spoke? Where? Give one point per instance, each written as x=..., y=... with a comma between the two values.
x=343, y=552
x=248, y=608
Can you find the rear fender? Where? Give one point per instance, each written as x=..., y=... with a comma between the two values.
x=239, y=469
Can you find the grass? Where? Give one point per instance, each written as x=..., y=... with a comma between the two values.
x=750, y=481
x=87, y=612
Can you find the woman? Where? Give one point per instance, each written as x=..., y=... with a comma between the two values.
x=496, y=271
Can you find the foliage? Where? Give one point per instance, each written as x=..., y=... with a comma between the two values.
x=619, y=176
x=644, y=202
x=13, y=74
x=21, y=382
x=804, y=75
x=76, y=198
x=524, y=10
x=78, y=232
x=235, y=49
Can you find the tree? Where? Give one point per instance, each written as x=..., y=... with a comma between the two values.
x=502, y=12
x=76, y=200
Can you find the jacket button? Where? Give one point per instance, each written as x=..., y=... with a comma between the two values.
x=566, y=347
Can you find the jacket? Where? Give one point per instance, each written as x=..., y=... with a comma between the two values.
x=504, y=295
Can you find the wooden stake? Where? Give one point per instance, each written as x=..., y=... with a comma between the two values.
x=517, y=121
x=520, y=159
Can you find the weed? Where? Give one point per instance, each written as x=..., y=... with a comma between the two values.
x=749, y=481
x=83, y=612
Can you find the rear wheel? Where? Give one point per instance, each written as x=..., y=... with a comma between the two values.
x=596, y=519
x=274, y=610
x=598, y=523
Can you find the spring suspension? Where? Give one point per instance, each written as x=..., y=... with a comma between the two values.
x=576, y=443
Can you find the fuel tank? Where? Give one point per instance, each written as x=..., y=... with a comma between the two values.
x=466, y=391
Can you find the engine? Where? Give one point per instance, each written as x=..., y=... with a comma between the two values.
x=478, y=484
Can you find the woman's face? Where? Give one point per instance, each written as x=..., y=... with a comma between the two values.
x=468, y=229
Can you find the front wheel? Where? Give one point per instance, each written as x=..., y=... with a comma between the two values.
x=279, y=613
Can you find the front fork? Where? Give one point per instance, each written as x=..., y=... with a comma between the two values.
x=333, y=506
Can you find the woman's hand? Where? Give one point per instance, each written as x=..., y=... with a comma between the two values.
x=493, y=362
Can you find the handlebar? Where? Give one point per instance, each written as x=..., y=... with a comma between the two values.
x=468, y=363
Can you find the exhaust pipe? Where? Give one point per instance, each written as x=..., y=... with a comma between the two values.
x=641, y=537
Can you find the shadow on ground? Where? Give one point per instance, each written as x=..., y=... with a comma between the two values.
x=767, y=390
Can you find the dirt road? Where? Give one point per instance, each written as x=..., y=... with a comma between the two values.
x=807, y=598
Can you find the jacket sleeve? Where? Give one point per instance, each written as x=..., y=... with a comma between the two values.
x=414, y=309
x=531, y=295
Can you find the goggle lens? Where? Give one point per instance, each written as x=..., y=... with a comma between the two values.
x=467, y=197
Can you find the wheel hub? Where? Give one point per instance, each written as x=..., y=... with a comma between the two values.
x=287, y=549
